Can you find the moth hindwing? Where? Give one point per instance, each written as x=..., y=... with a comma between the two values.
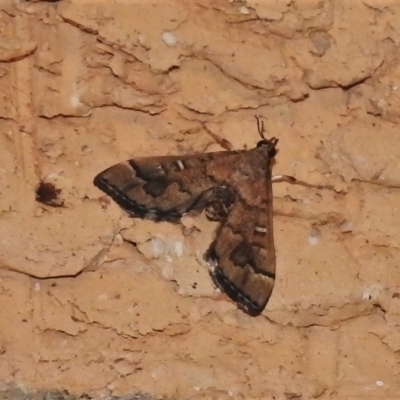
x=232, y=187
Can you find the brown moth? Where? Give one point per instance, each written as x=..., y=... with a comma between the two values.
x=233, y=187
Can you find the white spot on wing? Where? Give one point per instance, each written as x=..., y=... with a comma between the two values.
x=180, y=165
x=212, y=264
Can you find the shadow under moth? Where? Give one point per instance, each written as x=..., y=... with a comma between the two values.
x=232, y=187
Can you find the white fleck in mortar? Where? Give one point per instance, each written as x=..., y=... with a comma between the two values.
x=313, y=241
x=158, y=247
x=169, y=39
x=178, y=249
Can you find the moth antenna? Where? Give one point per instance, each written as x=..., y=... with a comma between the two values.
x=260, y=127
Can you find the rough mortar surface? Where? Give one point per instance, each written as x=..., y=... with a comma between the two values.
x=94, y=304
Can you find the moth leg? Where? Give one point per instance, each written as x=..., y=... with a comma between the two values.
x=221, y=141
x=220, y=202
x=293, y=181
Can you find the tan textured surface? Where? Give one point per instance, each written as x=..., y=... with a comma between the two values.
x=88, y=84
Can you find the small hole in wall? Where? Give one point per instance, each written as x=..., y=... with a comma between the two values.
x=47, y=193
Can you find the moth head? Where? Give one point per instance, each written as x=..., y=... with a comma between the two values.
x=268, y=145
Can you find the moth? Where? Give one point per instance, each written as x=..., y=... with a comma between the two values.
x=231, y=187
